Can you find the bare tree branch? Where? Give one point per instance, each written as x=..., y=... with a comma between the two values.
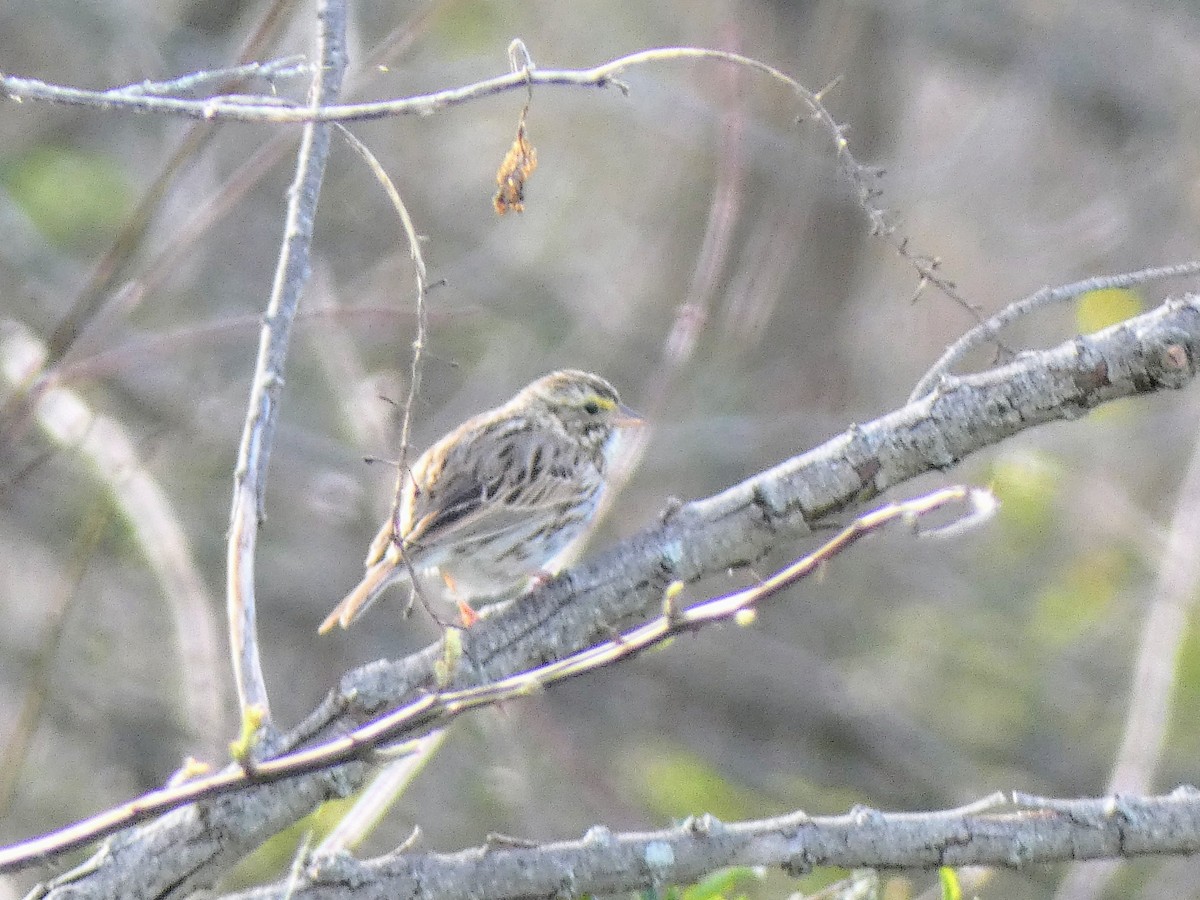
x=434, y=710
x=253, y=108
x=291, y=274
x=1038, y=830
x=1047, y=296
x=288, y=67
x=257, y=108
x=1151, y=352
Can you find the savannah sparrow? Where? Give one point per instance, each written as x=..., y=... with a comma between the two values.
x=503, y=497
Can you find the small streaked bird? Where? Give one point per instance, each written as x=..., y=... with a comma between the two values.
x=502, y=498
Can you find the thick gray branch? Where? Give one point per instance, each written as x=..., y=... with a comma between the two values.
x=604, y=863
x=1149, y=353
x=738, y=526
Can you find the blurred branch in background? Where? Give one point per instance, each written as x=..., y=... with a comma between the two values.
x=116, y=264
x=112, y=456
x=1155, y=675
x=16, y=749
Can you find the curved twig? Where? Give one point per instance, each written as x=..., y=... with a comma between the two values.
x=989, y=329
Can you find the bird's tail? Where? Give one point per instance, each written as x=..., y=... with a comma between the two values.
x=379, y=576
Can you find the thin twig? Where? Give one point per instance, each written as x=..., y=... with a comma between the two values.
x=286, y=67
x=387, y=785
x=1047, y=296
x=244, y=109
x=418, y=344
x=254, y=453
x=435, y=710
x=248, y=108
x=419, y=272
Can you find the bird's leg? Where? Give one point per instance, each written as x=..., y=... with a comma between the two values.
x=416, y=592
x=466, y=613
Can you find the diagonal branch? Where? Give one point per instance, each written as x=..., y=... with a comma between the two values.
x=436, y=710
x=990, y=329
x=1149, y=353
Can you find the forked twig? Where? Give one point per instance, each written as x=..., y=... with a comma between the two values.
x=989, y=329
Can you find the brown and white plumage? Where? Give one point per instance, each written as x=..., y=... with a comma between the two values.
x=504, y=496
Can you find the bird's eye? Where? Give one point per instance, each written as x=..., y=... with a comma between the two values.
x=591, y=407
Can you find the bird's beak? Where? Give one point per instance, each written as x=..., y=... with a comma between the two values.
x=627, y=418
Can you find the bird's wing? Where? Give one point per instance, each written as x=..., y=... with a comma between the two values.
x=463, y=495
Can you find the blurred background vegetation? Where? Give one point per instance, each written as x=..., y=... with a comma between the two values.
x=1025, y=143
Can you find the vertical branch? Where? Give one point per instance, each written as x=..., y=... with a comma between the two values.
x=262, y=414
x=1156, y=673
